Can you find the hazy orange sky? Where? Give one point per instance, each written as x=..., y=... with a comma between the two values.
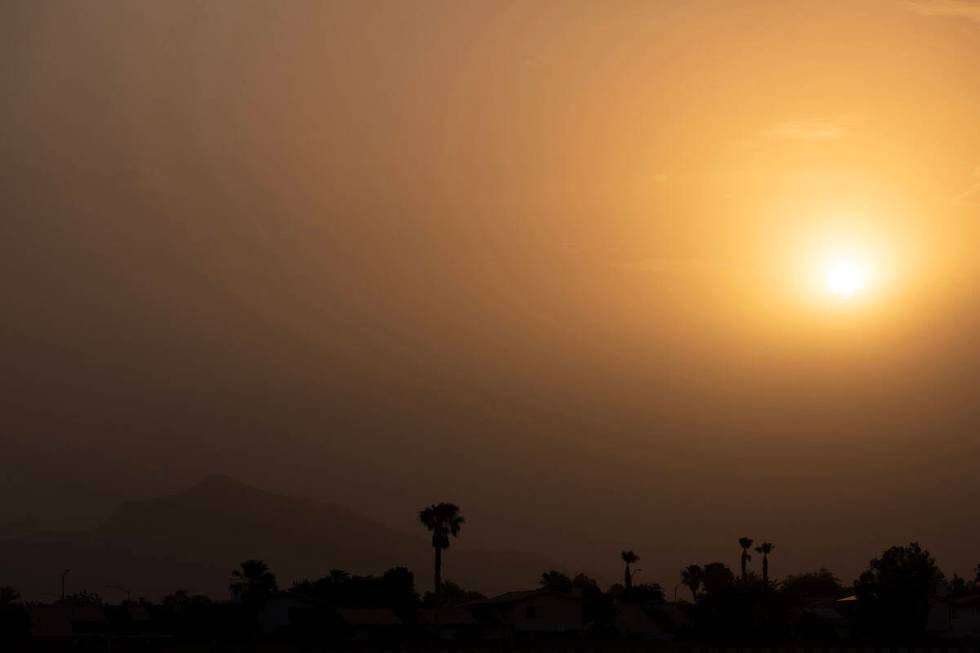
x=560, y=263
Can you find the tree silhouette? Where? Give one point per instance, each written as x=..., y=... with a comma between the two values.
x=691, y=578
x=82, y=599
x=394, y=590
x=957, y=587
x=820, y=584
x=8, y=595
x=893, y=593
x=629, y=558
x=745, y=543
x=555, y=581
x=647, y=594
x=584, y=583
x=189, y=615
x=398, y=590
x=765, y=549
x=716, y=577
x=443, y=520
x=338, y=576
x=252, y=583
x=598, y=607
x=452, y=595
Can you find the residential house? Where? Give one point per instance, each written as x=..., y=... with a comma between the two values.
x=633, y=621
x=369, y=623
x=284, y=611
x=534, y=611
x=454, y=623
x=955, y=618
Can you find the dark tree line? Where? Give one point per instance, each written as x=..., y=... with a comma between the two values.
x=395, y=589
x=894, y=593
x=890, y=600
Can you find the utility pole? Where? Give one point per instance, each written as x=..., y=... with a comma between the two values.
x=63, y=574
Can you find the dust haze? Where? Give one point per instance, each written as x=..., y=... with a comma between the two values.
x=527, y=258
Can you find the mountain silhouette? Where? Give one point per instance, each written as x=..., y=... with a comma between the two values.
x=221, y=519
x=192, y=539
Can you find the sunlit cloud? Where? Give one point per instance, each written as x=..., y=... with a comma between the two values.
x=969, y=9
x=806, y=130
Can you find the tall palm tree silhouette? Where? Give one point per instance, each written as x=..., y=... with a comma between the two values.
x=691, y=578
x=443, y=520
x=629, y=558
x=765, y=549
x=745, y=543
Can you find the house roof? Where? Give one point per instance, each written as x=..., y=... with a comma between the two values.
x=294, y=598
x=369, y=617
x=514, y=597
x=50, y=621
x=85, y=614
x=454, y=616
x=632, y=620
x=677, y=615
x=969, y=599
x=824, y=612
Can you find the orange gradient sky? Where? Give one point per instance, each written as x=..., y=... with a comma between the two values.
x=562, y=263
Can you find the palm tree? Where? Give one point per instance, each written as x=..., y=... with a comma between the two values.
x=252, y=583
x=629, y=558
x=443, y=520
x=765, y=549
x=691, y=578
x=745, y=543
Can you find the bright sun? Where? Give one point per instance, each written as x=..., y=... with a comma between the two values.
x=846, y=278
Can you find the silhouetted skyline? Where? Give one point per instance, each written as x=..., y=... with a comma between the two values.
x=901, y=597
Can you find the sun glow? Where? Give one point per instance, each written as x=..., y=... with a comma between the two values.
x=848, y=263
x=846, y=278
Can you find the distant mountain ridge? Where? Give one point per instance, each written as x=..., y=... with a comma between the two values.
x=225, y=517
x=192, y=540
